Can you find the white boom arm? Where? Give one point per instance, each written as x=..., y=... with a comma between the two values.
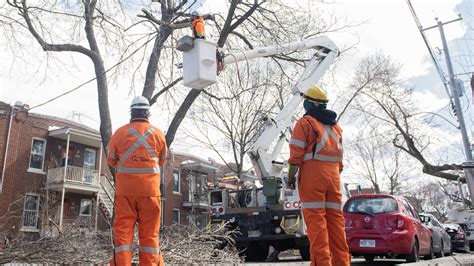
x=325, y=54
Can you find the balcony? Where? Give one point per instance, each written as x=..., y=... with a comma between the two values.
x=198, y=201
x=73, y=179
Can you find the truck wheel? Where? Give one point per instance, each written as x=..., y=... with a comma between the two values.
x=414, y=256
x=256, y=251
x=304, y=253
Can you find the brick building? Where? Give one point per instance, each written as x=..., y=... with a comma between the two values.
x=187, y=180
x=40, y=185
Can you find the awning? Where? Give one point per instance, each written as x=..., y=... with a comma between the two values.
x=199, y=167
x=77, y=136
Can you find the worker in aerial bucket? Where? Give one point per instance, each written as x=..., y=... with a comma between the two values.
x=316, y=151
x=137, y=151
x=197, y=25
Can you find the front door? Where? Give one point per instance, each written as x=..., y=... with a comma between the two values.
x=66, y=209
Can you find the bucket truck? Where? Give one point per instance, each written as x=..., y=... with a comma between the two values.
x=269, y=213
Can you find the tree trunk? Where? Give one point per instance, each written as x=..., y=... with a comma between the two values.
x=103, y=98
x=180, y=114
x=152, y=68
x=376, y=188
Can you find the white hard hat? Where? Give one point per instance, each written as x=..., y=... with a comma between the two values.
x=140, y=102
x=195, y=13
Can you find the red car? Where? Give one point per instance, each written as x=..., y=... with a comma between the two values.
x=384, y=225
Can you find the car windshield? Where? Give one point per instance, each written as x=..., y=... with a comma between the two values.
x=371, y=205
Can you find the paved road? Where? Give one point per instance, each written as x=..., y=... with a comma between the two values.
x=456, y=259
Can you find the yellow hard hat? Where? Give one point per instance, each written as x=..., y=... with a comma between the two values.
x=315, y=94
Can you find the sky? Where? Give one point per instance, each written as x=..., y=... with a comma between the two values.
x=389, y=28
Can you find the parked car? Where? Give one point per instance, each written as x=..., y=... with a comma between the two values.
x=441, y=240
x=385, y=225
x=459, y=241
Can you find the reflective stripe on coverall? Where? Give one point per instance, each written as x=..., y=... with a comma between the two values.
x=317, y=149
x=137, y=150
x=198, y=28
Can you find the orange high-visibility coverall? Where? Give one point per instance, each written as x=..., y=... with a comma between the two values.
x=198, y=28
x=317, y=149
x=136, y=151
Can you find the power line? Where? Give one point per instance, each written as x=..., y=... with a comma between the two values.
x=430, y=50
x=94, y=78
x=467, y=73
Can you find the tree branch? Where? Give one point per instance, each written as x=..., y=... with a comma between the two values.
x=176, y=25
x=243, y=38
x=45, y=45
x=225, y=29
x=167, y=87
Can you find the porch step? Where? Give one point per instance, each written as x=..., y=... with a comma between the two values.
x=106, y=203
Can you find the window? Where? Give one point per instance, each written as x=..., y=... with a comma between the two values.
x=371, y=205
x=86, y=207
x=436, y=222
x=176, y=182
x=216, y=198
x=29, y=218
x=410, y=210
x=176, y=218
x=89, y=158
x=89, y=165
x=415, y=213
x=38, y=147
x=202, y=184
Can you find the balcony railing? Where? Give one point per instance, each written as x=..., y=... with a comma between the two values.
x=74, y=175
x=199, y=201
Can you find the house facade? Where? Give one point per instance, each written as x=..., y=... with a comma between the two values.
x=43, y=187
x=186, y=182
x=53, y=173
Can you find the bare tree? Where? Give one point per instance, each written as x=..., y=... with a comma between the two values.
x=233, y=120
x=384, y=99
x=231, y=114
x=364, y=160
x=244, y=22
x=250, y=24
x=435, y=198
x=91, y=15
x=392, y=167
x=372, y=157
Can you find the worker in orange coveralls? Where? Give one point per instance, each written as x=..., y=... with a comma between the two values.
x=316, y=150
x=137, y=151
x=197, y=25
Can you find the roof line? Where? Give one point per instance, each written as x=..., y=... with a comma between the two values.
x=64, y=120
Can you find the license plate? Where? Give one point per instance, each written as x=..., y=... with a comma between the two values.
x=367, y=243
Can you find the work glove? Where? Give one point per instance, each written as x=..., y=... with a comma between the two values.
x=291, y=178
x=290, y=182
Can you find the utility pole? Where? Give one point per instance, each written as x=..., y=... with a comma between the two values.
x=455, y=92
x=468, y=166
